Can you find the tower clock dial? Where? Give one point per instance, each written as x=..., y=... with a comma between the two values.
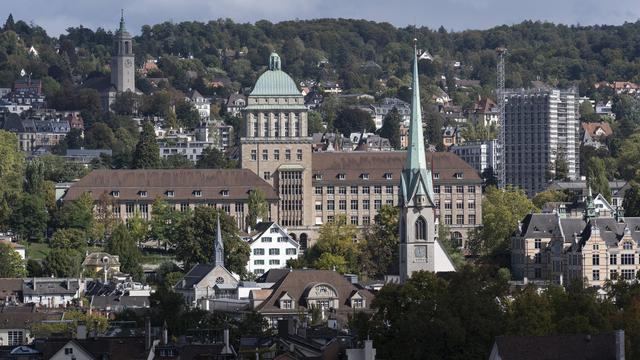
x=128, y=63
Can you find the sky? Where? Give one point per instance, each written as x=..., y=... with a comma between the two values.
x=57, y=15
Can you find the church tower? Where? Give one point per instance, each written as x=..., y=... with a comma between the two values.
x=122, y=62
x=419, y=246
x=218, y=258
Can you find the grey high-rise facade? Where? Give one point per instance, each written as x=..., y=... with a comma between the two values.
x=122, y=62
x=541, y=137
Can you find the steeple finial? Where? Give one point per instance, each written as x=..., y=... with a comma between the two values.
x=416, y=158
x=219, y=246
x=122, y=28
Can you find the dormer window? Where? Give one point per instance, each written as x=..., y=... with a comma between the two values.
x=365, y=176
x=458, y=175
x=341, y=176
x=143, y=193
x=317, y=176
x=197, y=193
x=286, y=304
x=388, y=176
x=115, y=193
x=436, y=175
x=170, y=193
x=224, y=192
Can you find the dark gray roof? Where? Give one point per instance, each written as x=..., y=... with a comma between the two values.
x=49, y=286
x=556, y=347
x=540, y=225
x=119, y=302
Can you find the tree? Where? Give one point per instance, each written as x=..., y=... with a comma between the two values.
x=124, y=103
x=547, y=196
x=597, y=177
x=561, y=168
x=121, y=243
x=29, y=218
x=34, y=269
x=489, y=178
x=391, y=128
x=34, y=177
x=11, y=264
x=197, y=236
x=187, y=114
x=10, y=23
x=69, y=239
x=63, y=263
x=314, y=122
x=176, y=161
x=147, y=152
x=11, y=174
x=337, y=239
x=629, y=157
x=530, y=314
x=631, y=201
x=163, y=221
x=352, y=120
x=258, y=207
x=76, y=214
x=380, y=253
x=502, y=209
x=213, y=158
x=99, y=136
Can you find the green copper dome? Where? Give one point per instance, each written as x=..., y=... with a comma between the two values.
x=275, y=82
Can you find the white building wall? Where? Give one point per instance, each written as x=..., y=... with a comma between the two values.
x=276, y=247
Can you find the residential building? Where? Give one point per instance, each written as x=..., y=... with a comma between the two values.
x=130, y=192
x=568, y=347
x=382, y=108
x=579, y=190
x=420, y=249
x=541, y=127
x=102, y=264
x=201, y=103
x=93, y=348
x=357, y=184
x=275, y=145
x=235, y=104
x=594, y=133
x=479, y=154
x=485, y=112
x=16, y=323
x=51, y=292
x=28, y=85
x=271, y=248
x=451, y=135
x=298, y=292
x=561, y=250
x=10, y=291
x=36, y=134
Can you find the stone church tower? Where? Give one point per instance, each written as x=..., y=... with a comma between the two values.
x=122, y=62
x=419, y=246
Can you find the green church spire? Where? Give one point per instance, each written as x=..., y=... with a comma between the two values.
x=415, y=153
x=122, y=28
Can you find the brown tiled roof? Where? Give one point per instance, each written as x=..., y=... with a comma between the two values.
x=297, y=282
x=23, y=317
x=9, y=287
x=592, y=127
x=377, y=164
x=211, y=183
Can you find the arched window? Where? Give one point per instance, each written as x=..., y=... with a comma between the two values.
x=456, y=239
x=627, y=245
x=127, y=47
x=303, y=241
x=421, y=229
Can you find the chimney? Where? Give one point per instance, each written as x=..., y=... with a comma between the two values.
x=165, y=334
x=34, y=283
x=227, y=348
x=147, y=333
x=81, y=332
x=68, y=284
x=369, y=351
x=619, y=334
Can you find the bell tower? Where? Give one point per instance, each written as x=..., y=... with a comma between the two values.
x=419, y=246
x=122, y=61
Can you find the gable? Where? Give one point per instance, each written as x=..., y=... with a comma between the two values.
x=212, y=278
x=77, y=352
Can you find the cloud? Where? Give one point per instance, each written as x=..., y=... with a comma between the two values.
x=56, y=15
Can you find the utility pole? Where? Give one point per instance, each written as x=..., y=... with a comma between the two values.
x=500, y=95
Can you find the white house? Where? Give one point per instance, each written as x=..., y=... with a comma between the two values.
x=271, y=247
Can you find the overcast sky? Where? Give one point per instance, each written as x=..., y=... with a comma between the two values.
x=56, y=15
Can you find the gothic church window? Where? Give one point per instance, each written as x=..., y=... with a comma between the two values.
x=421, y=229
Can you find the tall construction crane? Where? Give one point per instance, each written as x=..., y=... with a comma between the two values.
x=500, y=95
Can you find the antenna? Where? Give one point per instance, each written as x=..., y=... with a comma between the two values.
x=500, y=97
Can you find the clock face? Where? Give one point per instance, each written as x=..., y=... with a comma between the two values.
x=420, y=251
x=128, y=63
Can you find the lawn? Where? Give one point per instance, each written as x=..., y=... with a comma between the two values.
x=36, y=250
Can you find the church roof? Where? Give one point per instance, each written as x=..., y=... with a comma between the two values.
x=275, y=82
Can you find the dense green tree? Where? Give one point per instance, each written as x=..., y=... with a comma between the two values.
x=597, y=178
x=11, y=163
x=99, y=136
x=176, y=161
x=147, y=152
x=63, y=263
x=69, y=239
x=34, y=177
x=123, y=244
x=391, y=128
x=58, y=169
x=258, y=207
x=29, y=218
x=76, y=214
x=125, y=103
x=34, y=268
x=336, y=246
x=351, y=120
x=187, y=114
x=213, y=158
x=628, y=157
x=631, y=202
x=546, y=196
x=380, y=254
x=11, y=263
x=314, y=123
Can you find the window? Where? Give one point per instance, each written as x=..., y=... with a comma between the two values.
x=471, y=189
x=537, y=243
x=471, y=204
x=389, y=189
x=365, y=204
x=318, y=190
x=171, y=193
x=354, y=204
x=143, y=193
x=258, y=251
x=299, y=154
x=291, y=251
x=436, y=175
x=447, y=204
x=225, y=192
x=267, y=175
x=15, y=337
x=596, y=275
x=265, y=239
x=276, y=154
x=537, y=258
x=627, y=245
x=628, y=274
x=115, y=193
x=254, y=155
x=459, y=204
x=287, y=154
x=389, y=202
x=129, y=208
x=460, y=189
x=258, y=271
x=365, y=190
x=377, y=189
x=197, y=193
x=341, y=176
x=595, y=259
x=331, y=205
x=472, y=219
x=184, y=207
x=448, y=220
x=330, y=218
x=354, y=190
x=388, y=176
x=627, y=259
x=354, y=220
x=447, y=189
x=377, y=204
x=365, y=176
x=265, y=154
x=330, y=190
x=68, y=351
x=274, y=262
x=342, y=190
x=595, y=247
x=342, y=205
x=286, y=304
x=613, y=274
x=366, y=220
x=460, y=219
x=613, y=259
x=436, y=189
x=274, y=251
x=357, y=303
x=421, y=228
x=258, y=262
